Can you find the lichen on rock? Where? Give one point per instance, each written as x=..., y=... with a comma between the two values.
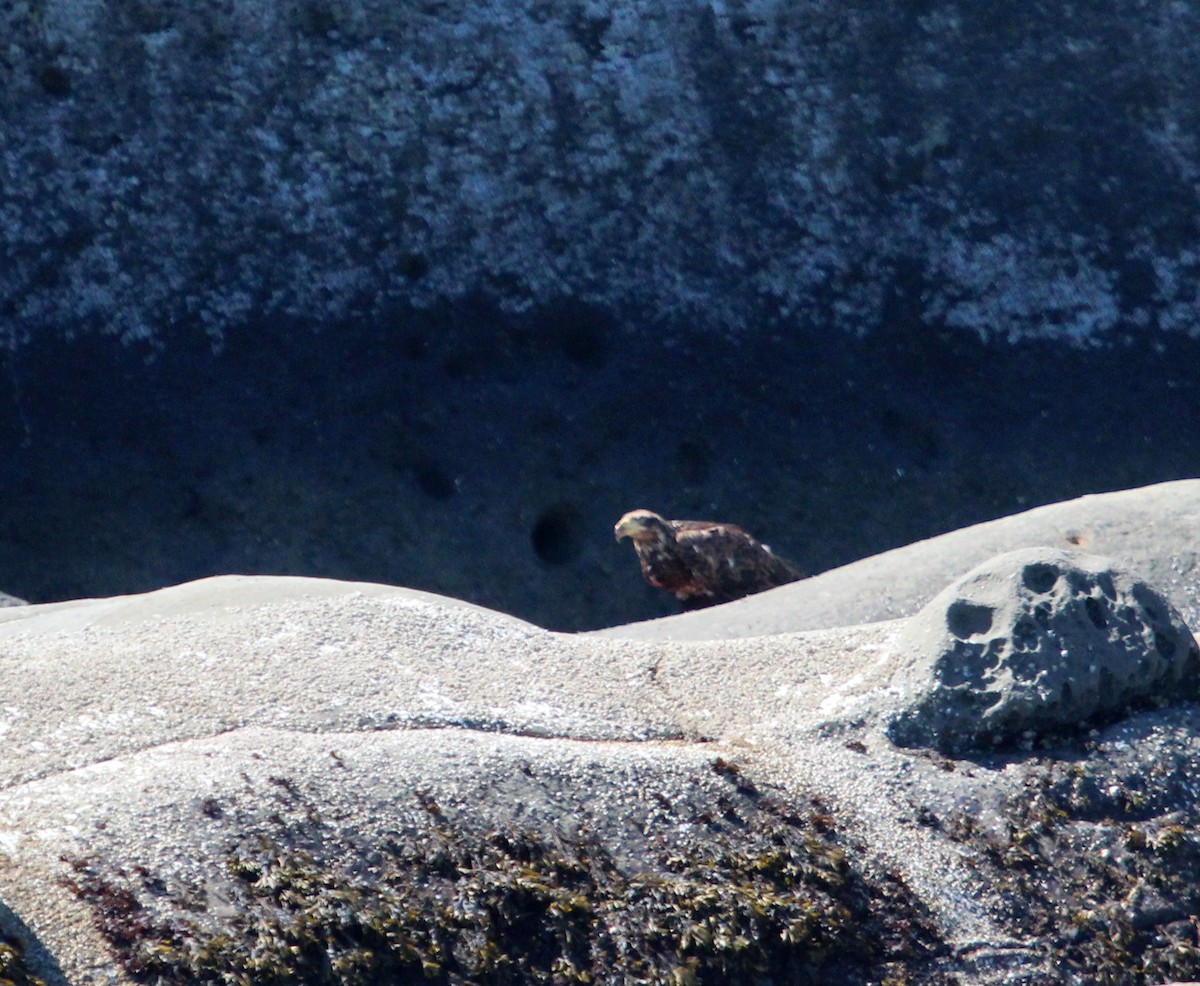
x=186, y=168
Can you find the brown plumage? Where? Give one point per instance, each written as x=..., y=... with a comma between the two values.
x=702, y=562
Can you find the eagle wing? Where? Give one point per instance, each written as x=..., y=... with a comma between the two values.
x=726, y=563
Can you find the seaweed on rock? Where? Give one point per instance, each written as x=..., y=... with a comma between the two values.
x=773, y=900
x=14, y=970
x=1099, y=860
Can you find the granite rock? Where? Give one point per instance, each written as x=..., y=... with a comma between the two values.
x=176, y=167
x=1033, y=643
x=160, y=747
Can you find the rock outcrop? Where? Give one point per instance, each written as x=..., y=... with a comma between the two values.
x=1151, y=531
x=190, y=167
x=1036, y=642
x=242, y=778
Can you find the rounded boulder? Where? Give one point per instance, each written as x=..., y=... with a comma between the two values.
x=1035, y=643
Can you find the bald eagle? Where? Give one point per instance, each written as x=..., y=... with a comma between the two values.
x=701, y=561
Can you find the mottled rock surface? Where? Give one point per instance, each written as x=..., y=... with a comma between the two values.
x=187, y=167
x=1034, y=642
x=311, y=777
x=448, y=252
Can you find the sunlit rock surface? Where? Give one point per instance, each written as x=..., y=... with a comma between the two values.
x=1037, y=641
x=320, y=778
x=178, y=167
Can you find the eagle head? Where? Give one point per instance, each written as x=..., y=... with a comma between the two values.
x=644, y=525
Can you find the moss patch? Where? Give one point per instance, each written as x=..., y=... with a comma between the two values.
x=755, y=893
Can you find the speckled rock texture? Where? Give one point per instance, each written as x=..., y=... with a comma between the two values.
x=186, y=167
x=1035, y=642
x=240, y=775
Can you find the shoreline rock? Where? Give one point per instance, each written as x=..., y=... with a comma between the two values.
x=1033, y=643
x=1150, y=530
x=149, y=737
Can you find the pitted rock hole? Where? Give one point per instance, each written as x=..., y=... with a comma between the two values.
x=1039, y=578
x=1149, y=604
x=556, y=537
x=965, y=620
x=1042, y=614
x=55, y=81
x=433, y=480
x=1105, y=582
x=1048, y=641
x=971, y=666
x=1025, y=635
x=1026, y=667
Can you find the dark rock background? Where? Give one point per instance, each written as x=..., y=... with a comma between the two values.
x=431, y=293
x=491, y=465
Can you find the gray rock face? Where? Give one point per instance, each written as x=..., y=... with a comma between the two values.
x=189, y=167
x=1034, y=642
x=160, y=747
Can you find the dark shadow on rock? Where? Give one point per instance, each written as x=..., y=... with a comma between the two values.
x=27, y=962
x=432, y=451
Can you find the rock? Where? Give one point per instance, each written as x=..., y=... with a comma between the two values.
x=171, y=756
x=360, y=724
x=203, y=165
x=1035, y=642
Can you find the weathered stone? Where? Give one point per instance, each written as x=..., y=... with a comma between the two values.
x=318, y=734
x=900, y=582
x=179, y=168
x=1035, y=642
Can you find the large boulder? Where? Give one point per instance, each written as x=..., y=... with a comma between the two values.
x=323, y=780
x=306, y=779
x=1035, y=642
